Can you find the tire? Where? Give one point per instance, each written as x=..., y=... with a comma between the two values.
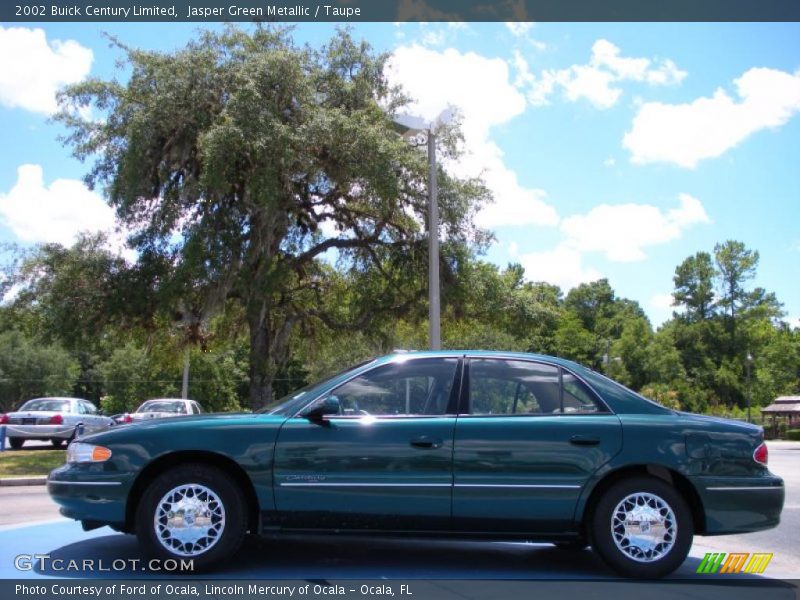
x=204, y=488
x=57, y=442
x=16, y=443
x=630, y=550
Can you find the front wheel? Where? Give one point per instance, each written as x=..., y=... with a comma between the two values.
x=192, y=511
x=642, y=527
x=57, y=442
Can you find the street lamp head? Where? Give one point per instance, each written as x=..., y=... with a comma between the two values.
x=749, y=357
x=412, y=125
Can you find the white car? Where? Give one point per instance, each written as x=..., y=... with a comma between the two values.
x=160, y=408
x=55, y=419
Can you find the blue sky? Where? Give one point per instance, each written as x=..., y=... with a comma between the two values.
x=613, y=150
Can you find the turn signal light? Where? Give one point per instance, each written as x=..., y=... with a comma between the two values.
x=761, y=454
x=56, y=420
x=79, y=452
x=100, y=454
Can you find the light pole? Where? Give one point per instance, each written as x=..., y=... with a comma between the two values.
x=748, y=363
x=410, y=126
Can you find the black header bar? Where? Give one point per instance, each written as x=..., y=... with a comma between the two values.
x=354, y=11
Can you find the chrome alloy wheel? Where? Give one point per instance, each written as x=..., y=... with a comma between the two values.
x=644, y=527
x=189, y=519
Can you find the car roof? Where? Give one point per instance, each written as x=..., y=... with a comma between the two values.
x=401, y=354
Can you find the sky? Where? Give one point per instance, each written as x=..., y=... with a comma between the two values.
x=612, y=150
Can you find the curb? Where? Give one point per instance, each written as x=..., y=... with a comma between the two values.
x=19, y=481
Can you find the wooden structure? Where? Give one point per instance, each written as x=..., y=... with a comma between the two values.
x=787, y=407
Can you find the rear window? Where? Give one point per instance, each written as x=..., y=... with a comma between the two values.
x=47, y=404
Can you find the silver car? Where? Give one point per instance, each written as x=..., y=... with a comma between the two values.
x=161, y=407
x=55, y=419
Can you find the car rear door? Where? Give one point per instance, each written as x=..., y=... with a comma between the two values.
x=530, y=437
x=384, y=461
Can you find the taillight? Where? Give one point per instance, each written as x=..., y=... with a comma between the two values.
x=56, y=420
x=761, y=454
x=4, y=419
x=127, y=419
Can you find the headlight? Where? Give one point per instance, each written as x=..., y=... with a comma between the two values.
x=78, y=452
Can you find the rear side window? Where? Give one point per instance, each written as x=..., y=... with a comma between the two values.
x=519, y=387
x=513, y=387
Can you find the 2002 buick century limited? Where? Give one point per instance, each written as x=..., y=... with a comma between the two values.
x=460, y=444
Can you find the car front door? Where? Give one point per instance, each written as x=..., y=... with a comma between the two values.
x=531, y=436
x=383, y=460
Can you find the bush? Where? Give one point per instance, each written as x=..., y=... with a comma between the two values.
x=793, y=434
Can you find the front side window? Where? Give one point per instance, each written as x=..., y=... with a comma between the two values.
x=414, y=387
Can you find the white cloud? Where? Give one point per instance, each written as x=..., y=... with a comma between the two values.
x=621, y=232
x=55, y=213
x=660, y=308
x=794, y=322
x=597, y=80
x=32, y=69
x=609, y=162
x=481, y=88
x=518, y=29
x=562, y=266
x=685, y=134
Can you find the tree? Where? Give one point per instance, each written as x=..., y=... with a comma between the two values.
x=29, y=369
x=694, y=286
x=736, y=265
x=241, y=160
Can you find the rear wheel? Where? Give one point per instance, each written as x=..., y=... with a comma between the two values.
x=192, y=511
x=57, y=442
x=642, y=527
x=16, y=443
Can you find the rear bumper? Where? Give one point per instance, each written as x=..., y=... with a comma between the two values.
x=740, y=504
x=40, y=432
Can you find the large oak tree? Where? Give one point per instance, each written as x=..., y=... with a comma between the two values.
x=242, y=160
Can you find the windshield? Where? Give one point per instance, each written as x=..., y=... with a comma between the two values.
x=291, y=403
x=46, y=404
x=175, y=406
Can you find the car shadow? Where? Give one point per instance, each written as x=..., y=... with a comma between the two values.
x=336, y=557
x=321, y=558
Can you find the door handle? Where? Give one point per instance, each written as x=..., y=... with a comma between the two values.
x=581, y=440
x=426, y=442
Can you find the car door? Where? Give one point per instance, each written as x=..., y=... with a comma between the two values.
x=383, y=461
x=530, y=436
x=91, y=420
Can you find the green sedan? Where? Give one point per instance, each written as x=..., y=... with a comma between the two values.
x=477, y=445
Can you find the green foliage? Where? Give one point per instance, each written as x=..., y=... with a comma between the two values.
x=793, y=434
x=29, y=368
x=131, y=376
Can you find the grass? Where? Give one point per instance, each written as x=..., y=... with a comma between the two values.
x=29, y=463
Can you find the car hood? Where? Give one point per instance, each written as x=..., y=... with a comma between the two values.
x=163, y=428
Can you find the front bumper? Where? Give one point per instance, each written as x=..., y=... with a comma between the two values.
x=87, y=493
x=40, y=432
x=741, y=504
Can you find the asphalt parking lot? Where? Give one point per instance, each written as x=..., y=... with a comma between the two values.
x=30, y=524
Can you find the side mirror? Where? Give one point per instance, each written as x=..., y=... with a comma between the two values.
x=327, y=406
